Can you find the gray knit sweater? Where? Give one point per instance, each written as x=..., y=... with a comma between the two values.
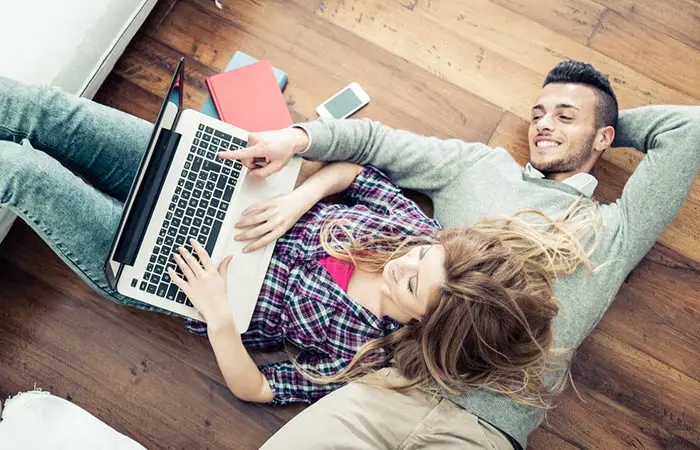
x=470, y=181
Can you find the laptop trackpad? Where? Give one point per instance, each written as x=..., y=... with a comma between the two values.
x=256, y=190
x=246, y=267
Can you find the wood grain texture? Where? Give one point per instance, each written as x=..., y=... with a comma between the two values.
x=575, y=19
x=661, y=58
x=677, y=19
x=586, y=420
x=468, y=69
x=495, y=44
x=641, y=383
x=400, y=91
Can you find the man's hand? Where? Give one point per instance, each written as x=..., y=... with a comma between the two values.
x=269, y=151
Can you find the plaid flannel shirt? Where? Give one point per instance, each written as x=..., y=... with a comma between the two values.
x=299, y=301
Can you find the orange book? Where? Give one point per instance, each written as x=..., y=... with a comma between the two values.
x=250, y=98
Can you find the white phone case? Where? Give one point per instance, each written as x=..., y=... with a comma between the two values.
x=360, y=93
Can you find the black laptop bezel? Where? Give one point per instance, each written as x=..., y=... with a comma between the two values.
x=178, y=80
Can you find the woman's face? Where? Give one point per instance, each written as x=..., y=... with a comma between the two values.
x=411, y=281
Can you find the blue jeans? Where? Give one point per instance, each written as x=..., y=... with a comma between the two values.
x=49, y=140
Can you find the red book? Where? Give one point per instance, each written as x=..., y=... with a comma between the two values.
x=250, y=98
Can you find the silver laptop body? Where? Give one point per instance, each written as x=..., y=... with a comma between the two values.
x=182, y=191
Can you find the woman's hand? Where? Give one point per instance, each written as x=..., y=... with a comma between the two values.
x=268, y=220
x=204, y=283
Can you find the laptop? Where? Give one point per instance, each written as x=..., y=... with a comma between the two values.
x=182, y=190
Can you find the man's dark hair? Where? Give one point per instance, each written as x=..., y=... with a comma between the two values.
x=584, y=73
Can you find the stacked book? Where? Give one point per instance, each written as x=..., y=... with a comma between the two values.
x=248, y=94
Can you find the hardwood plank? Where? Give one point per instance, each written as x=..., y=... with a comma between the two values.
x=640, y=383
x=480, y=24
x=545, y=439
x=149, y=65
x=400, y=91
x=586, y=422
x=470, y=66
x=664, y=59
x=157, y=15
x=681, y=444
x=161, y=334
x=122, y=94
x=575, y=19
x=666, y=257
x=679, y=19
x=657, y=312
x=130, y=387
x=542, y=49
x=511, y=134
x=578, y=19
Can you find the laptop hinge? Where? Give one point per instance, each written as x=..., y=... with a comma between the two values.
x=147, y=197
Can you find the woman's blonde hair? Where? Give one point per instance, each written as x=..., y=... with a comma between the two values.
x=490, y=325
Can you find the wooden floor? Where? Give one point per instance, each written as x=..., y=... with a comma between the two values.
x=468, y=69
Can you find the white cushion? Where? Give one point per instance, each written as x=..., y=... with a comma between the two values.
x=65, y=42
x=37, y=420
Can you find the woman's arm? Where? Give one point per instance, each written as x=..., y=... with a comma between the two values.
x=269, y=220
x=205, y=286
x=330, y=179
x=238, y=368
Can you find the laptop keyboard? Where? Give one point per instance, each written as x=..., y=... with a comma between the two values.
x=196, y=210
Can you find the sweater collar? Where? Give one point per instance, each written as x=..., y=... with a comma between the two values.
x=585, y=183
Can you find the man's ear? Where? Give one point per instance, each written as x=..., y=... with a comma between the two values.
x=604, y=139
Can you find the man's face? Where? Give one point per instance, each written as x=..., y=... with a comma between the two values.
x=562, y=128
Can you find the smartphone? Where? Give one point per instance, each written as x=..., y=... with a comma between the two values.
x=345, y=103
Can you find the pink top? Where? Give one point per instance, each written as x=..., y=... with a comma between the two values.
x=339, y=270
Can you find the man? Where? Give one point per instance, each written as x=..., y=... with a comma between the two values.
x=574, y=120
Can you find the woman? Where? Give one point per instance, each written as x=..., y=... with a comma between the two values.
x=450, y=309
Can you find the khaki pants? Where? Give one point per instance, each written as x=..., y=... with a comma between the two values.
x=361, y=416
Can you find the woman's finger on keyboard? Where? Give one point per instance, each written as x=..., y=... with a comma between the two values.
x=191, y=262
x=182, y=264
x=204, y=258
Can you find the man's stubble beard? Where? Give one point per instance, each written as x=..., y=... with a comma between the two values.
x=570, y=164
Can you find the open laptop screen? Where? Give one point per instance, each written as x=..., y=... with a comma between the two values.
x=125, y=244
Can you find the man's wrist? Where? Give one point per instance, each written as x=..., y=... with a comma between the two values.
x=303, y=139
